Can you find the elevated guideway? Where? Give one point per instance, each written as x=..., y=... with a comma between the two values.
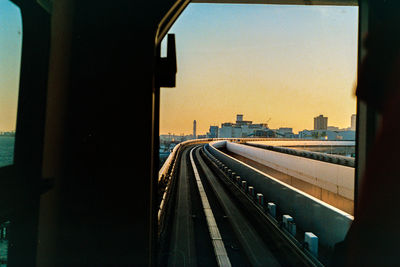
x=206, y=227
x=296, y=217
x=329, y=178
x=330, y=223
x=337, y=177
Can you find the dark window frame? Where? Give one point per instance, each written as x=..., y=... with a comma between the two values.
x=20, y=182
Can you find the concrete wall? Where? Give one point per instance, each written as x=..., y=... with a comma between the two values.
x=326, y=196
x=310, y=214
x=335, y=178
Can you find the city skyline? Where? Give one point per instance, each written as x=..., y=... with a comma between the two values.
x=228, y=66
x=297, y=63
x=219, y=124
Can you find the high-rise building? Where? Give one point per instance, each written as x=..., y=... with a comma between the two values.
x=213, y=132
x=320, y=123
x=194, y=129
x=353, y=122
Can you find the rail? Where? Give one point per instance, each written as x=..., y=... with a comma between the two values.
x=166, y=173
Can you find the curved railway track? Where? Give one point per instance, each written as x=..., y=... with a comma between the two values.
x=211, y=226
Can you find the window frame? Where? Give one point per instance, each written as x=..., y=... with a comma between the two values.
x=21, y=182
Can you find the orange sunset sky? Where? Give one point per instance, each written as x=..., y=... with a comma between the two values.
x=283, y=63
x=10, y=62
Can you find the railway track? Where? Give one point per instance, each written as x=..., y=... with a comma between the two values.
x=211, y=226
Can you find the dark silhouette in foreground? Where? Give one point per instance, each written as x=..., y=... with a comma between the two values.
x=373, y=239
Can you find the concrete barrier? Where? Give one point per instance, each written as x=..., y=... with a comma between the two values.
x=335, y=178
x=312, y=215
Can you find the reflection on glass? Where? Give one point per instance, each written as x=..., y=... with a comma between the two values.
x=10, y=58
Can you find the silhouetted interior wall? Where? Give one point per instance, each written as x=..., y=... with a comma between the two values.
x=101, y=200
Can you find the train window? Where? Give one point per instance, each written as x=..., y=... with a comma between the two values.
x=268, y=71
x=10, y=60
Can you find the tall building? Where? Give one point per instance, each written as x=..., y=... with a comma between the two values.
x=194, y=129
x=353, y=122
x=320, y=123
x=213, y=132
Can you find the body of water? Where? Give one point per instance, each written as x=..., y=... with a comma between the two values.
x=6, y=150
x=3, y=253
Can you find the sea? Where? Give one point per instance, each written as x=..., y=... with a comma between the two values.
x=6, y=150
x=3, y=253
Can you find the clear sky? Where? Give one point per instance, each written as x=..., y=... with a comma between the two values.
x=10, y=59
x=285, y=63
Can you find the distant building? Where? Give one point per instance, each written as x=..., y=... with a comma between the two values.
x=225, y=131
x=320, y=123
x=240, y=121
x=353, y=122
x=241, y=128
x=348, y=135
x=213, y=132
x=285, y=130
x=333, y=128
x=9, y=133
x=327, y=135
x=305, y=134
x=194, y=129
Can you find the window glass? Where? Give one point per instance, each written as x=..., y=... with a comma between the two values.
x=10, y=60
x=276, y=81
x=267, y=71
